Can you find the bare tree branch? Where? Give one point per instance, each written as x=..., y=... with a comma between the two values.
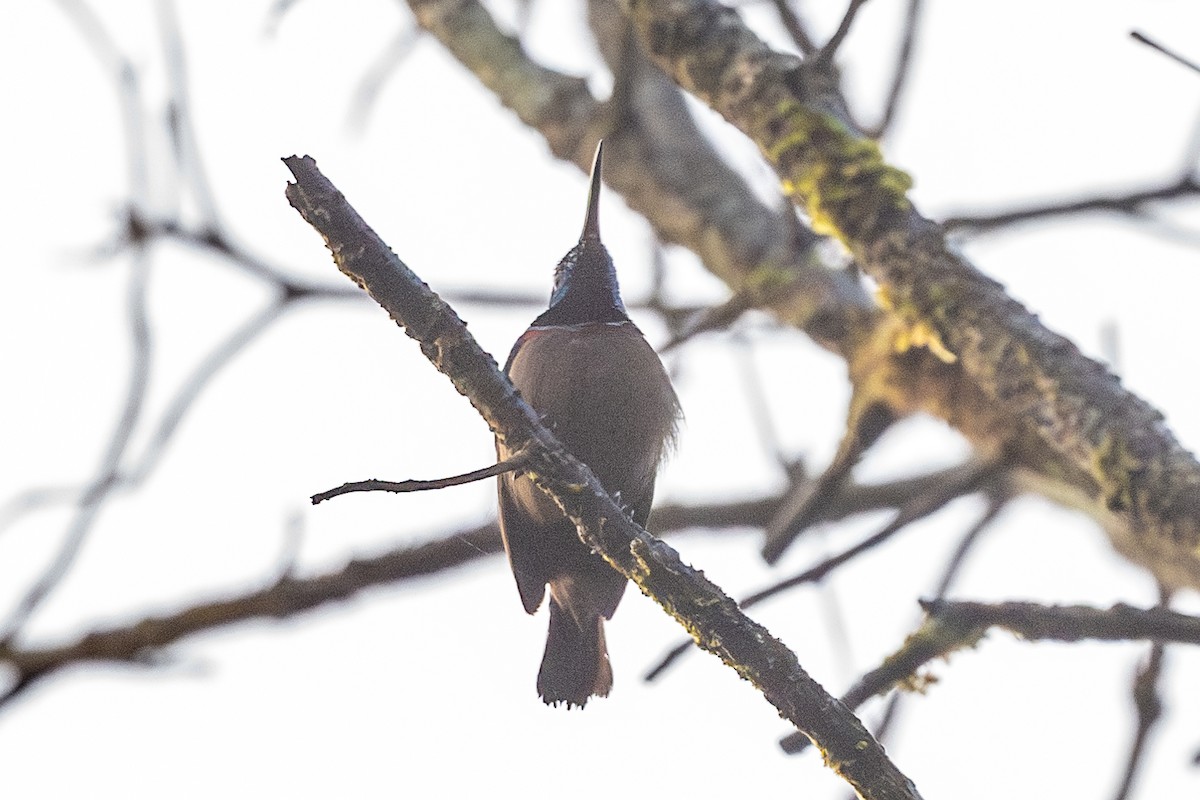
x=1061, y=414
x=1148, y=706
x=917, y=507
x=1138, y=36
x=823, y=58
x=686, y=594
x=107, y=472
x=517, y=462
x=1032, y=621
x=384, y=67
x=900, y=73
x=900, y=670
x=794, y=27
x=286, y=597
x=188, y=158
x=664, y=168
x=1133, y=203
x=805, y=502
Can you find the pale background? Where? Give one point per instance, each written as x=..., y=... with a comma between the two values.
x=427, y=689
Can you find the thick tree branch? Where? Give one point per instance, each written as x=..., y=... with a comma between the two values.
x=699, y=605
x=1064, y=415
x=663, y=166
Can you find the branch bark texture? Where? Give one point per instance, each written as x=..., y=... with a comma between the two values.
x=662, y=165
x=700, y=606
x=1069, y=419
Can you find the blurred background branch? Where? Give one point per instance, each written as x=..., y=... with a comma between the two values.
x=183, y=207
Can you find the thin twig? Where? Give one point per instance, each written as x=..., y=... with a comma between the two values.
x=901, y=72
x=602, y=524
x=824, y=56
x=1138, y=36
x=895, y=670
x=192, y=387
x=135, y=471
x=124, y=77
x=917, y=508
x=806, y=501
x=385, y=65
x=106, y=473
x=710, y=319
x=1149, y=709
x=280, y=599
x=517, y=462
x=1129, y=203
x=757, y=398
x=795, y=28
x=998, y=500
x=188, y=157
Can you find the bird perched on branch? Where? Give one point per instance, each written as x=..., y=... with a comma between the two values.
x=601, y=388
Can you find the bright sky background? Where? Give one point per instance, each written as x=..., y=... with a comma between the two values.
x=427, y=689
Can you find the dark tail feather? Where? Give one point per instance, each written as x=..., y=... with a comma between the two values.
x=575, y=665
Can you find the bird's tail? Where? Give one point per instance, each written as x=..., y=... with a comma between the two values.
x=575, y=665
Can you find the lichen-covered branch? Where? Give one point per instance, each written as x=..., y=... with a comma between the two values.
x=699, y=605
x=662, y=165
x=956, y=346
x=1059, y=413
x=952, y=625
x=1033, y=621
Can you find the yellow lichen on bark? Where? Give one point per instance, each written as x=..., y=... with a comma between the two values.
x=839, y=177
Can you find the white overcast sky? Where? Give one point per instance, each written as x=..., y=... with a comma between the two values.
x=427, y=689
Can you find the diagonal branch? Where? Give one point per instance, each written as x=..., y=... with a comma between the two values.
x=918, y=506
x=895, y=670
x=823, y=58
x=900, y=73
x=1061, y=414
x=795, y=28
x=1138, y=36
x=708, y=614
x=663, y=166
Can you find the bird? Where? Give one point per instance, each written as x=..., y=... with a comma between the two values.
x=588, y=371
